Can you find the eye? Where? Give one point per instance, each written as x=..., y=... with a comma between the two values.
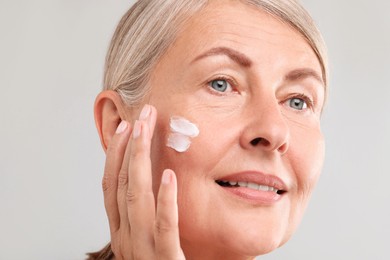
x=297, y=103
x=220, y=85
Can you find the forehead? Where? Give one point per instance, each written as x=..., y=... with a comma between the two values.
x=245, y=28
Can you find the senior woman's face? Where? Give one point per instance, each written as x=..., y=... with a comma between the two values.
x=253, y=87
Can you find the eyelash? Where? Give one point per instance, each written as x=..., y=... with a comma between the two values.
x=229, y=80
x=309, y=102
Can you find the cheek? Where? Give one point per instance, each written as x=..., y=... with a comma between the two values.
x=314, y=154
x=204, y=152
x=305, y=160
x=307, y=156
x=308, y=148
x=164, y=157
x=194, y=168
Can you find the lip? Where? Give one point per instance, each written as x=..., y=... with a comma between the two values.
x=258, y=197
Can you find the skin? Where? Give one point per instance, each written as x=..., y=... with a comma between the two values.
x=266, y=64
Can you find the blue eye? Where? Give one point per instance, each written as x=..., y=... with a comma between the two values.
x=219, y=85
x=297, y=103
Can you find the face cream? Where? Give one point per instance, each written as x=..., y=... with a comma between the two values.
x=182, y=131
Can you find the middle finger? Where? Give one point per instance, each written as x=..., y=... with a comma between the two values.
x=140, y=197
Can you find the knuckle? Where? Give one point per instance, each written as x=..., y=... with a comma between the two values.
x=132, y=197
x=122, y=178
x=139, y=151
x=111, y=149
x=163, y=227
x=136, y=155
x=164, y=201
x=108, y=182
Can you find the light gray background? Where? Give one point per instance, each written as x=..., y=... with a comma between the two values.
x=51, y=60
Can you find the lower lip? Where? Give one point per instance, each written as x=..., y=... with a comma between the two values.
x=253, y=196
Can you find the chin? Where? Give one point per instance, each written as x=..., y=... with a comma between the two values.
x=255, y=247
x=258, y=242
x=235, y=247
x=238, y=236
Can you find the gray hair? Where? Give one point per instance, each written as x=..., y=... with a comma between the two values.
x=147, y=30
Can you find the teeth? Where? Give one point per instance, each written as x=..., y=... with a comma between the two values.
x=254, y=186
x=264, y=188
x=251, y=185
x=242, y=184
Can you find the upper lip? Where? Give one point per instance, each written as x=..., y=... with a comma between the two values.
x=258, y=178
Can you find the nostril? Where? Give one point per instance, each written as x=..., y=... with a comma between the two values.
x=283, y=149
x=258, y=140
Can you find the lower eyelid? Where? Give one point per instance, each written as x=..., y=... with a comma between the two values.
x=218, y=93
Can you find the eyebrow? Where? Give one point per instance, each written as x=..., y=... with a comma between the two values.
x=301, y=74
x=244, y=61
x=234, y=55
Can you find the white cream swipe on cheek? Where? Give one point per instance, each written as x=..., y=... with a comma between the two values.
x=182, y=131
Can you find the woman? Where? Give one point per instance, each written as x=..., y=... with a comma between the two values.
x=210, y=120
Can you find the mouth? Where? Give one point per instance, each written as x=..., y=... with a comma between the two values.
x=249, y=185
x=255, y=187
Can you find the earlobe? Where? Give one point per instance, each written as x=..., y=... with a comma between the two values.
x=109, y=111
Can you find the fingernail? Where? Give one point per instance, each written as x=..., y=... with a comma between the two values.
x=137, y=129
x=145, y=112
x=167, y=177
x=121, y=127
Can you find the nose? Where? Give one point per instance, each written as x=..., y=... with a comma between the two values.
x=266, y=129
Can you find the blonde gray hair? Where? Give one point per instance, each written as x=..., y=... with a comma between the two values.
x=147, y=30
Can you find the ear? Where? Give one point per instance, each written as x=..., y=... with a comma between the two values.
x=109, y=111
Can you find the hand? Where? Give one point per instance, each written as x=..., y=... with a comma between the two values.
x=139, y=227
